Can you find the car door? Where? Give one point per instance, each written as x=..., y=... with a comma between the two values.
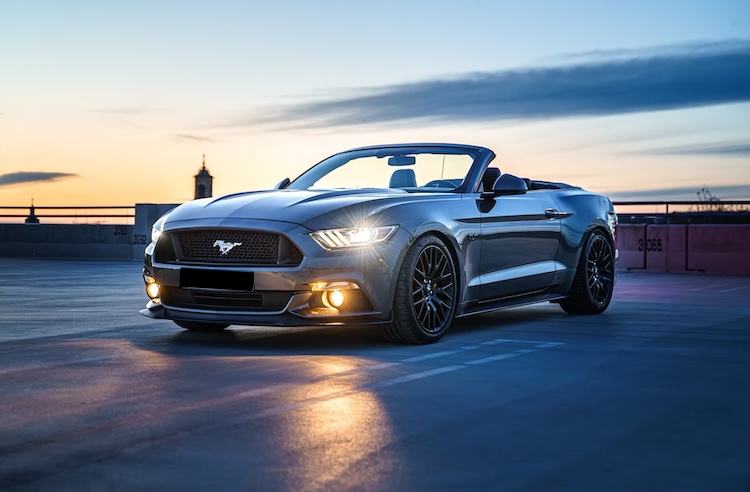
x=520, y=236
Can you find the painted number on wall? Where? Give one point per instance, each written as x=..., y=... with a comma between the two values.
x=651, y=244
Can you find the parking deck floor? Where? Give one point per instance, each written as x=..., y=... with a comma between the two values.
x=654, y=394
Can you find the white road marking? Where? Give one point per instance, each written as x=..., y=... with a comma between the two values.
x=509, y=340
x=417, y=375
x=492, y=358
x=734, y=289
x=549, y=345
x=264, y=391
x=494, y=342
x=374, y=367
x=430, y=356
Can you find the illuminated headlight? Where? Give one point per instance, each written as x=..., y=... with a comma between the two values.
x=155, y=233
x=612, y=221
x=348, y=238
x=158, y=227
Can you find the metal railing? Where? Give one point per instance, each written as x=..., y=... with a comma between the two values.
x=702, y=210
x=684, y=203
x=35, y=211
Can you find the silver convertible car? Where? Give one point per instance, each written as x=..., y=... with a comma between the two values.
x=406, y=236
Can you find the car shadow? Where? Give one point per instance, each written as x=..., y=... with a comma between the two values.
x=338, y=340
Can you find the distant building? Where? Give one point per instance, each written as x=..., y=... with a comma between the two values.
x=32, y=218
x=203, y=182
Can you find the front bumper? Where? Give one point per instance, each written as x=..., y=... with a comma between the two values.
x=240, y=318
x=372, y=270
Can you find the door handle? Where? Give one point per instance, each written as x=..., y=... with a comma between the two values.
x=551, y=213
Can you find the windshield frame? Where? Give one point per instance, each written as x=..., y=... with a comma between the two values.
x=480, y=156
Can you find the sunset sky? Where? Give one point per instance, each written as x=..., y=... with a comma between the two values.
x=114, y=103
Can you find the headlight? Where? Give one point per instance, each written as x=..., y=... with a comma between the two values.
x=155, y=233
x=348, y=238
x=612, y=221
x=158, y=227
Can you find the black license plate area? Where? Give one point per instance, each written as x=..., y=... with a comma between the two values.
x=216, y=279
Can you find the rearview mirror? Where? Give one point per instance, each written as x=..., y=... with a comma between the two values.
x=402, y=160
x=282, y=184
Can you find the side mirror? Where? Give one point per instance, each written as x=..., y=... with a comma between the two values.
x=507, y=184
x=282, y=184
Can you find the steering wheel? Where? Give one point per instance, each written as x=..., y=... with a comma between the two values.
x=441, y=183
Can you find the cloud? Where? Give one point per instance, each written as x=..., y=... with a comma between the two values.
x=122, y=111
x=729, y=149
x=196, y=137
x=692, y=47
x=32, y=177
x=729, y=192
x=686, y=76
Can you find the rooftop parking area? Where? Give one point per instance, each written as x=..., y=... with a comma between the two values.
x=650, y=395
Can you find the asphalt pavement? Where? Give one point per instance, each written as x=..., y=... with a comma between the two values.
x=653, y=395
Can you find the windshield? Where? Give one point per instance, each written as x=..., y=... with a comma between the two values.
x=409, y=169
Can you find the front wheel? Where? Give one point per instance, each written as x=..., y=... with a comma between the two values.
x=198, y=326
x=426, y=293
x=594, y=281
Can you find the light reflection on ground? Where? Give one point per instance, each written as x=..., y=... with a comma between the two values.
x=330, y=437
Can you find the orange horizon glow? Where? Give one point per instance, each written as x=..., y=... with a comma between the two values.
x=118, y=165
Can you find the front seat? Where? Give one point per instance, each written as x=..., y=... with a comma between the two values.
x=403, y=178
x=488, y=180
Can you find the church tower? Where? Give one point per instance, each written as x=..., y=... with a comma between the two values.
x=203, y=182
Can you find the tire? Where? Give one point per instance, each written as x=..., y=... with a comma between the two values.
x=198, y=326
x=426, y=293
x=594, y=281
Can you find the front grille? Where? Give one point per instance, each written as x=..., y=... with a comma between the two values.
x=250, y=246
x=224, y=300
x=227, y=246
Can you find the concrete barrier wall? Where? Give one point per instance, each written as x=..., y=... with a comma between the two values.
x=82, y=241
x=75, y=241
x=630, y=243
x=717, y=249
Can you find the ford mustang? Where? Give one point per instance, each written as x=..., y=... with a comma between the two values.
x=407, y=236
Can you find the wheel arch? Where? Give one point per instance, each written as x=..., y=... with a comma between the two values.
x=594, y=226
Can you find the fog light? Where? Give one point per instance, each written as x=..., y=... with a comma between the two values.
x=152, y=290
x=333, y=298
x=336, y=297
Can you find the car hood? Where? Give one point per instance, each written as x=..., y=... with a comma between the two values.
x=310, y=208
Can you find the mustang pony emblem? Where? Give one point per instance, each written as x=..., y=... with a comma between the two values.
x=225, y=246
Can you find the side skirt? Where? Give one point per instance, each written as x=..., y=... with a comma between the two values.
x=486, y=307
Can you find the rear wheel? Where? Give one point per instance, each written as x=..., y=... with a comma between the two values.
x=594, y=282
x=426, y=293
x=198, y=326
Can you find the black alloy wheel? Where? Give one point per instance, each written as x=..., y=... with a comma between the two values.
x=594, y=281
x=433, y=289
x=600, y=269
x=426, y=293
